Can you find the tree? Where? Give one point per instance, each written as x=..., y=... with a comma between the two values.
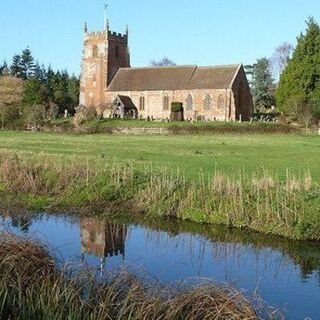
x=27, y=64
x=15, y=68
x=73, y=92
x=35, y=115
x=262, y=84
x=60, y=90
x=163, y=62
x=248, y=69
x=281, y=57
x=4, y=68
x=40, y=73
x=35, y=93
x=301, y=77
x=11, y=94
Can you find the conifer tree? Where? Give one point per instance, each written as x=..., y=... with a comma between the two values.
x=34, y=93
x=262, y=83
x=4, y=68
x=50, y=79
x=73, y=92
x=40, y=73
x=27, y=64
x=15, y=67
x=300, y=81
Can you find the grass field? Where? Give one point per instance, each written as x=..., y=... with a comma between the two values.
x=192, y=154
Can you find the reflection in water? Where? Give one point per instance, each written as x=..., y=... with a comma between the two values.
x=287, y=272
x=102, y=238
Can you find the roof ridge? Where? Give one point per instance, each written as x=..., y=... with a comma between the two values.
x=161, y=67
x=221, y=66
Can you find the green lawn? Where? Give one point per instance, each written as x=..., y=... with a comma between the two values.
x=191, y=153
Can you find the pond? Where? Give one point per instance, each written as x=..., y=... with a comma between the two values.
x=285, y=273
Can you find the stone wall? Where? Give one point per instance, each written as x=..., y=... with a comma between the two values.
x=205, y=104
x=242, y=96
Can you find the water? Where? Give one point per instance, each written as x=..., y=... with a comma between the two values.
x=285, y=273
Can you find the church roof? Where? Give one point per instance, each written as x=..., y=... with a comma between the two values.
x=173, y=78
x=126, y=101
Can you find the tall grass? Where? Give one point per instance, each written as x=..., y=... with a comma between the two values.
x=260, y=202
x=31, y=287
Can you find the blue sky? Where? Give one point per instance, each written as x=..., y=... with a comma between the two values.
x=203, y=32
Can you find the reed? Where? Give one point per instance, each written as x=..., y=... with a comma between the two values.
x=38, y=290
x=261, y=201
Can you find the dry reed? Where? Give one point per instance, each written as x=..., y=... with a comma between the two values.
x=37, y=290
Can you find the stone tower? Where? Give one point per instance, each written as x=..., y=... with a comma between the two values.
x=104, y=52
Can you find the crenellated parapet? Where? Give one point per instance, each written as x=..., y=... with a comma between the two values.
x=111, y=35
x=118, y=36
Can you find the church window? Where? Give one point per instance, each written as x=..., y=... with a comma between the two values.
x=207, y=103
x=165, y=102
x=221, y=103
x=94, y=51
x=189, y=102
x=117, y=51
x=141, y=103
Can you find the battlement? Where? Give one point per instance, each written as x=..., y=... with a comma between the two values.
x=112, y=35
x=117, y=36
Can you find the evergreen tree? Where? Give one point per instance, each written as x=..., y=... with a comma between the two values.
x=40, y=73
x=27, y=64
x=262, y=84
x=34, y=93
x=15, y=68
x=50, y=79
x=4, y=68
x=73, y=92
x=300, y=81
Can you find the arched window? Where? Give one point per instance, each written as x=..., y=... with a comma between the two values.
x=207, y=103
x=221, y=103
x=94, y=51
x=189, y=102
x=165, y=102
x=117, y=52
x=141, y=103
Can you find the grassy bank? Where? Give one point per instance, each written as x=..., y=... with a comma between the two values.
x=192, y=154
x=31, y=287
x=259, y=201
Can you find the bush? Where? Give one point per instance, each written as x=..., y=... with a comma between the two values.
x=176, y=107
x=8, y=116
x=34, y=115
x=84, y=114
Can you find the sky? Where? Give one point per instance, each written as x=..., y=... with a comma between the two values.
x=202, y=32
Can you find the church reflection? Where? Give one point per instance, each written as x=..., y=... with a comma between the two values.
x=102, y=239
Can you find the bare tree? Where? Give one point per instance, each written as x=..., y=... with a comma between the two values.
x=280, y=58
x=162, y=62
x=11, y=92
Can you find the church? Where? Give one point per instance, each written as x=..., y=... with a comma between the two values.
x=117, y=90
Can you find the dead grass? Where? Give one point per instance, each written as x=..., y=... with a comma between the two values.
x=32, y=288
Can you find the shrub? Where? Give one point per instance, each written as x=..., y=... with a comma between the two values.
x=84, y=114
x=34, y=115
x=176, y=107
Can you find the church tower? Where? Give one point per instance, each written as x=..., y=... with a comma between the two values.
x=104, y=52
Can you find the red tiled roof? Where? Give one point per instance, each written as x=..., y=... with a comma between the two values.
x=173, y=78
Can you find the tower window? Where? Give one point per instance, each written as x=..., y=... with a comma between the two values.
x=117, y=51
x=141, y=103
x=94, y=51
